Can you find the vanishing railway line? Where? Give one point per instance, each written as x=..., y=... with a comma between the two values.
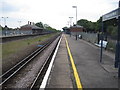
x=5, y=77
x=40, y=76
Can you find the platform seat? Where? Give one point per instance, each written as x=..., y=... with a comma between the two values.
x=104, y=44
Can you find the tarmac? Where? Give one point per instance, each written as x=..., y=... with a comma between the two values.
x=86, y=56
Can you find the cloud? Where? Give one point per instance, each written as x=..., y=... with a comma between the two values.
x=56, y=13
x=8, y=8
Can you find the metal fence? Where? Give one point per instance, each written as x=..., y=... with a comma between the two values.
x=93, y=38
x=90, y=37
x=14, y=32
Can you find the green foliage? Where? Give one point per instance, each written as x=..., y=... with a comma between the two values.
x=47, y=27
x=99, y=24
x=1, y=28
x=112, y=30
x=15, y=46
x=39, y=24
x=84, y=23
x=109, y=26
x=88, y=25
x=111, y=46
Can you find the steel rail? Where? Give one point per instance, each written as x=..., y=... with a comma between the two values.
x=11, y=72
x=38, y=79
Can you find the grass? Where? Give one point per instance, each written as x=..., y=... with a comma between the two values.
x=111, y=46
x=15, y=46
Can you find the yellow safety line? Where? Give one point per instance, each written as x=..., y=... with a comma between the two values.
x=79, y=85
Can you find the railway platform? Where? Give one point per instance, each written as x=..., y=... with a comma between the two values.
x=60, y=76
x=91, y=73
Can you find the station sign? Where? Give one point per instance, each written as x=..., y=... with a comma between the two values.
x=111, y=15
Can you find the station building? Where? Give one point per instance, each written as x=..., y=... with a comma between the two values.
x=73, y=30
x=31, y=27
x=76, y=29
x=66, y=30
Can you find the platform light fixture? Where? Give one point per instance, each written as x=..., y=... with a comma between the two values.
x=71, y=20
x=5, y=20
x=76, y=13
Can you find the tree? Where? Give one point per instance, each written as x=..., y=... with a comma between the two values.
x=88, y=25
x=39, y=24
x=84, y=23
x=91, y=26
x=99, y=24
x=47, y=27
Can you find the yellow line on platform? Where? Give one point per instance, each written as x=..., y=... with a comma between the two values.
x=79, y=85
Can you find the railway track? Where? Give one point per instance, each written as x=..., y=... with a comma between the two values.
x=14, y=70
x=38, y=80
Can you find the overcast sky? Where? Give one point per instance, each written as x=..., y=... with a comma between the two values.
x=55, y=13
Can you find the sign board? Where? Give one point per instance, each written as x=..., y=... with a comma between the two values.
x=40, y=45
x=111, y=15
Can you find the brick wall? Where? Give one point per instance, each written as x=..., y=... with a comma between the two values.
x=76, y=29
x=26, y=28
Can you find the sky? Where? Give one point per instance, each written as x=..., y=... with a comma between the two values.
x=55, y=13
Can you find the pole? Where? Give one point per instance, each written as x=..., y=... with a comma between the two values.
x=118, y=43
x=5, y=20
x=117, y=53
x=19, y=23
x=76, y=15
x=101, y=42
x=70, y=20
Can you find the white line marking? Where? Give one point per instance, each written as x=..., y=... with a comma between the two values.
x=44, y=82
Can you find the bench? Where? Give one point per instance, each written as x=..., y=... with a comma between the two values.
x=104, y=44
x=80, y=36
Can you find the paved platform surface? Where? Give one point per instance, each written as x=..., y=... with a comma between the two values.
x=92, y=73
x=60, y=76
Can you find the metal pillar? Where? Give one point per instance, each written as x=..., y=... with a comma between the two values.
x=101, y=42
x=117, y=54
x=118, y=42
x=76, y=36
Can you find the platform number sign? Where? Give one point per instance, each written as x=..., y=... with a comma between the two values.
x=111, y=15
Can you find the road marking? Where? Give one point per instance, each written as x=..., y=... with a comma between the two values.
x=44, y=82
x=79, y=85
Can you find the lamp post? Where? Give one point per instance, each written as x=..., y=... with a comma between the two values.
x=5, y=20
x=76, y=13
x=70, y=20
x=19, y=23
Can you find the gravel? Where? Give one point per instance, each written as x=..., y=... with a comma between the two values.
x=27, y=75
